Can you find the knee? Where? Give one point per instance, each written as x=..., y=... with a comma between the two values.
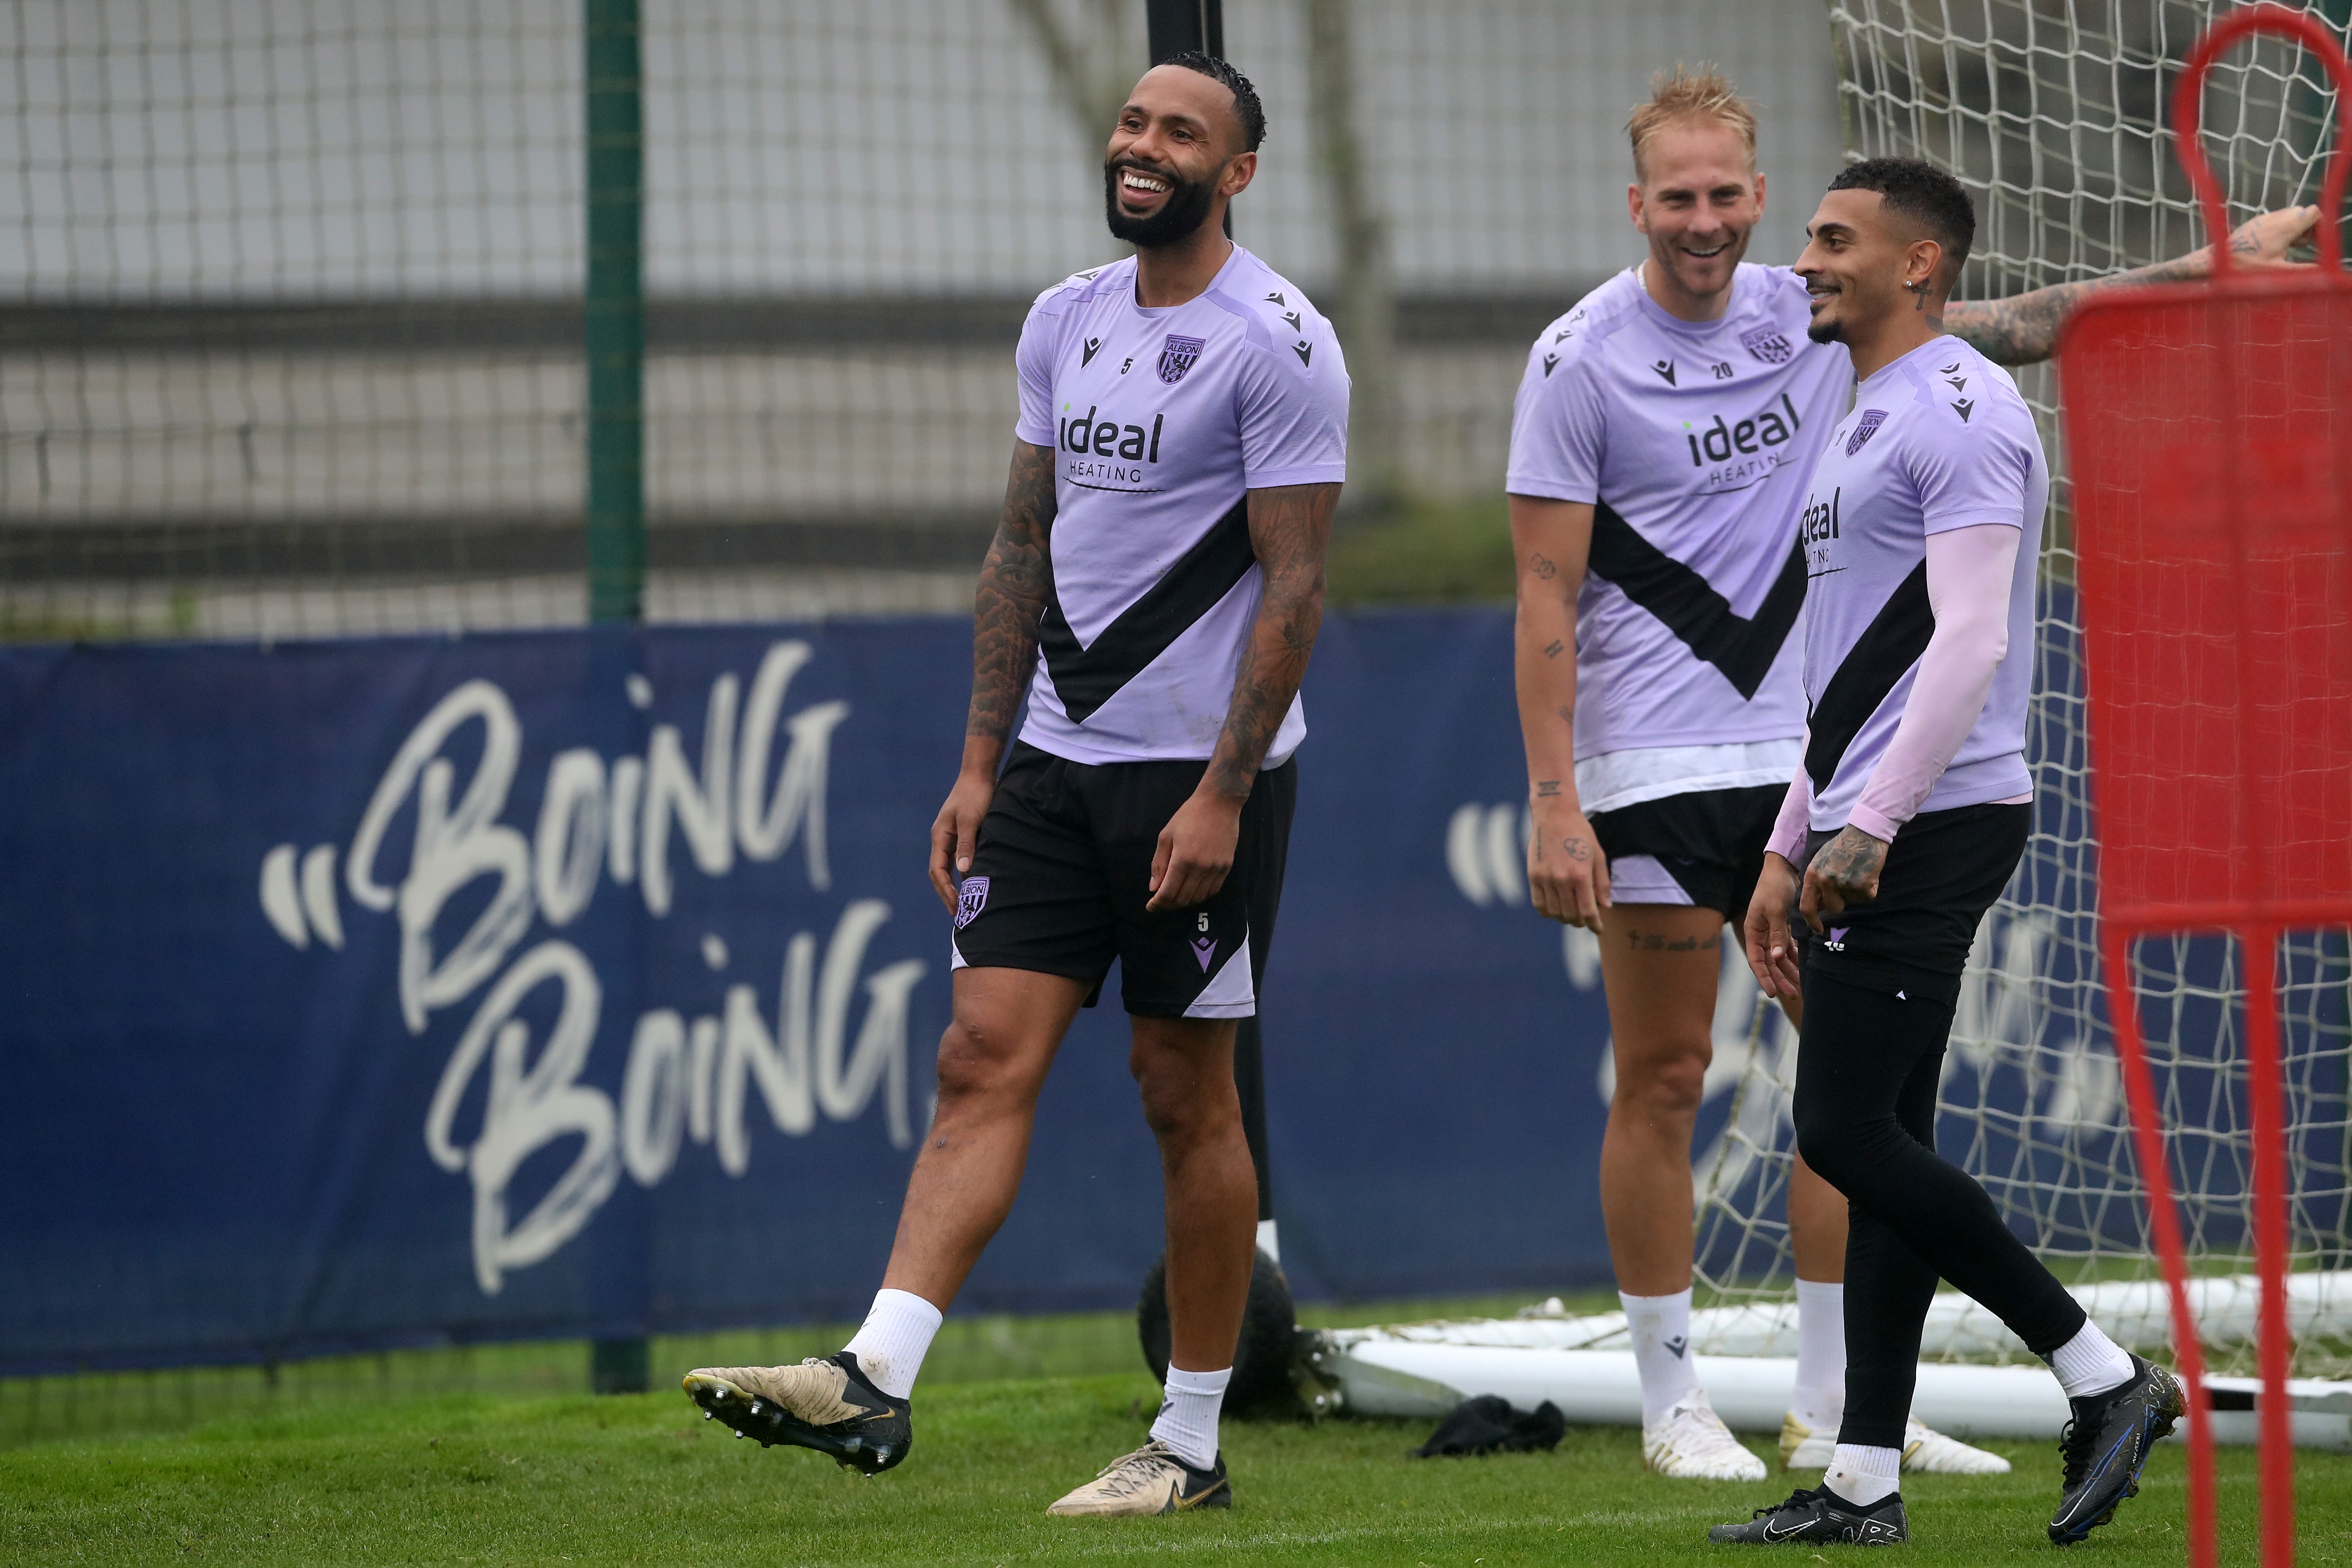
x=1842, y=1147
x=976, y=1060
x=1665, y=1087
x=1181, y=1103
x=1821, y=1152
x=1817, y=1138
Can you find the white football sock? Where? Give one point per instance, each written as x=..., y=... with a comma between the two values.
x=1820, y=1398
x=1862, y=1476
x=1188, y=1414
x=2091, y=1363
x=1660, y=1330
x=895, y=1337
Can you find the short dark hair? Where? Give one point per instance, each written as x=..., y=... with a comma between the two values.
x=1917, y=189
x=1246, y=108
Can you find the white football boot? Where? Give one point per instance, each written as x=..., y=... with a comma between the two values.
x=1691, y=1442
x=1925, y=1451
x=1152, y=1479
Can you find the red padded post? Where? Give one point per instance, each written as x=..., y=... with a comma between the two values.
x=2211, y=430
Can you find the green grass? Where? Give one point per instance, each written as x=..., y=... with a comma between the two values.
x=969, y=1348
x=490, y=1455
x=478, y=1479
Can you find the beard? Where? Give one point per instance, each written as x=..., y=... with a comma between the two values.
x=1179, y=217
x=1829, y=331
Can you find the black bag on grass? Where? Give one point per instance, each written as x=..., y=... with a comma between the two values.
x=1488, y=1423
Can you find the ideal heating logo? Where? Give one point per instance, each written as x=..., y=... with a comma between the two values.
x=1816, y=525
x=1091, y=439
x=1819, y=520
x=1736, y=456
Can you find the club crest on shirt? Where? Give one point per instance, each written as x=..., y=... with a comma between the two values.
x=1769, y=345
x=970, y=899
x=1176, y=356
x=1863, y=429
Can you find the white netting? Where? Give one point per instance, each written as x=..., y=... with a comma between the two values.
x=2055, y=112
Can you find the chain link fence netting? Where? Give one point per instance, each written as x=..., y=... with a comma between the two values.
x=289, y=289
x=2056, y=115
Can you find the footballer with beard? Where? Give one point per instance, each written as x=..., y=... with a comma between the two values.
x=1155, y=587
x=1908, y=813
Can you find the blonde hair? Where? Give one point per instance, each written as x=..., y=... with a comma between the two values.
x=1680, y=96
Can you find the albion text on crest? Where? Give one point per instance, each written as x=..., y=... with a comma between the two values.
x=1176, y=356
x=1769, y=345
x=1864, y=428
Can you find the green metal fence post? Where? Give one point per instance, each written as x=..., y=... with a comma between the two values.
x=616, y=313
x=616, y=344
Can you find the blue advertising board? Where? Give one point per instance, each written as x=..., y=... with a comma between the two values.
x=374, y=992
x=382, y=991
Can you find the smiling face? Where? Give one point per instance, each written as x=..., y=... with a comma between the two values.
x=1175, y=157
x=1862, y=265
x=1698, y=197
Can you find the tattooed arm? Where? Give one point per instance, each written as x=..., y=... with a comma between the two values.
x=1289, y=526
x=1568, y=877
x=2024, y=328
x=1014, y=582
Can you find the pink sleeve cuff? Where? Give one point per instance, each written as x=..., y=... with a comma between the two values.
x=1789, y=829
x=1875, y=823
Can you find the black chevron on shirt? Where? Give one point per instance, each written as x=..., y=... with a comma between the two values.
x=1743, y=649
x=1085, y=678
x=1889, y=646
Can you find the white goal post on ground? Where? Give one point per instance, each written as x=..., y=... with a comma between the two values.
x=2053, y=114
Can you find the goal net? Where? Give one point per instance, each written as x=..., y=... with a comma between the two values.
x=2054, y=116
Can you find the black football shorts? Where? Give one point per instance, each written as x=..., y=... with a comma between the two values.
x=1063, y=870
x=1943, y=871
x=1703, y=848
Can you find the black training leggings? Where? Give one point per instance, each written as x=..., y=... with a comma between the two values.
x=1868, y=1066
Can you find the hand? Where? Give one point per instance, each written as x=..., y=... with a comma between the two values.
x=1845, y=872
x=1771, y=946
x=1567, y=876
x=1195, y=851
x=956, y=831
x=2261, y=244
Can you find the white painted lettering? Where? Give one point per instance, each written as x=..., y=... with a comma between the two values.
x=525, y=1109
x=699, y=808
x=796, y=806
x=569, y=849
x=782, y=1065
x=653, y=1097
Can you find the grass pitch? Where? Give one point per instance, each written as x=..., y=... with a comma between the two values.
x=476, y=1479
